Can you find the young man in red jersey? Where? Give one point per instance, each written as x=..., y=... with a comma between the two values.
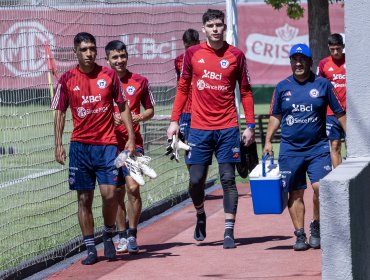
x=137, y=91
x=90, y=91
x=212, y=69
x=333, y=68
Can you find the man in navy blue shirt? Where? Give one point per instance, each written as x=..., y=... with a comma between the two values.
x=299, y=106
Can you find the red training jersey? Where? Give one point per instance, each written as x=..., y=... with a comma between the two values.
x=90, y=97
x=178, y=67
x=213, y=74
x=335, y=72
x=137, y=92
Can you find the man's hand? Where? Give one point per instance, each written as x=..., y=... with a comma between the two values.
x=248, y=136
x=268, y=149
x=136, y=118
x=117, y=119
x=60, y=154
x=173, y=129
x=130, y=146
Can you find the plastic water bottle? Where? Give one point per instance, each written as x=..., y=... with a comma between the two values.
x=121, y=158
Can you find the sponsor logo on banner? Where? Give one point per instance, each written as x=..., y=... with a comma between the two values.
x=149, y=48
x=21, y=48
x=273, y=49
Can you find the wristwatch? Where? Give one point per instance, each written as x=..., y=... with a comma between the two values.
x=251, y=125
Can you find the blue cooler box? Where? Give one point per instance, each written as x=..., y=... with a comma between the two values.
x=268, y=196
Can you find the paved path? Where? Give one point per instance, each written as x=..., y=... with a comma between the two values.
x=168, y=251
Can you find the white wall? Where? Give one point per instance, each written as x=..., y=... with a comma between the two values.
x=345, y=192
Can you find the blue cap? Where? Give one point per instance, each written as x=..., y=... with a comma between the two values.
x=302, y=49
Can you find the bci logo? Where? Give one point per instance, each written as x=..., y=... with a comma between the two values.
x=22, y=48
x=211, y=75
x=91, y=99
x=302, y=108
x=148, y=48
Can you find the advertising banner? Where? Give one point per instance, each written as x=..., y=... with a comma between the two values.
x=153, y=36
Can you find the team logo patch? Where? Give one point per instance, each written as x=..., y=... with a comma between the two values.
x=130, y=90
x=327, y=168
x=236, y=152
x=224, y=63
x=101, y=83
x=81, y=112
x=314, y=93
x=201, y=84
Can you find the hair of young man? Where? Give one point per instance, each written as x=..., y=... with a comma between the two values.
x=335, y=39
x=115, y=45
x=83, y=37
x=190, y=36
x=213, y=14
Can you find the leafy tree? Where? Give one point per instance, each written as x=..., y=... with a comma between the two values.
x=318, y=22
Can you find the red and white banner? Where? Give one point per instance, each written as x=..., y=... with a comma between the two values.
x=153, y=36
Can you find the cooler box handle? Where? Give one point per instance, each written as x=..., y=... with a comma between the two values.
x=265, y=157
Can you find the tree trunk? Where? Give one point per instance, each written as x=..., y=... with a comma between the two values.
x=318, y=29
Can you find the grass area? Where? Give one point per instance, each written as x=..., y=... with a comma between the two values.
x=37, y=210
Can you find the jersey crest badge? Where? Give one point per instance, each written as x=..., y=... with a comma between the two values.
x=314, y=93
x=224, y=63
x=101, y=83
x=130, y=90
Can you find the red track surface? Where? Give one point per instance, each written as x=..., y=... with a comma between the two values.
x=168, y=250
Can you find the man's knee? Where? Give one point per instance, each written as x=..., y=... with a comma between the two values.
x=227, y=177
x=85, y=199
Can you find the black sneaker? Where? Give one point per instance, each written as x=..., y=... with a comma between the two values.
x=92, y=256
x=301, y=242
x=109, y=249
x=200, y=228
x=229, y=242
x=314, y=240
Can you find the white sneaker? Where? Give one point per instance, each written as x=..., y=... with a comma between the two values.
x=145, y=168
x=135, y=172
x=122, y=246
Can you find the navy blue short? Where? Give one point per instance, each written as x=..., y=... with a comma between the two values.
x=123, y=171
x=185, y=121
x=225, y=143
x=90, y=163
x=294, y=169
x=333, y=129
